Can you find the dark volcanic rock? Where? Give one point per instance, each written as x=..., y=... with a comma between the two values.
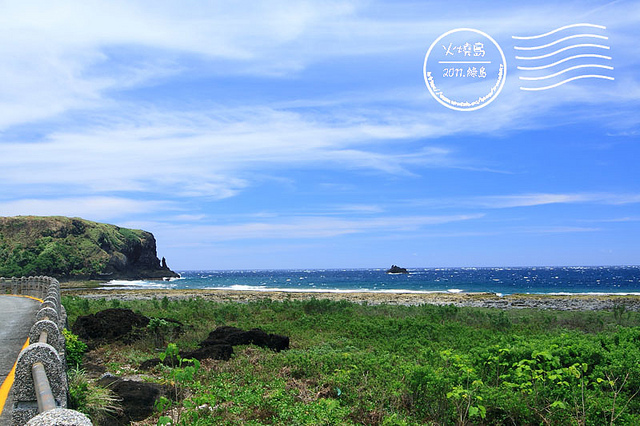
x=219, y=345
x=138, y=259
x=395, y=269
x=222, y=352
x=137, y=398
x=235, y=336
x=108, y=325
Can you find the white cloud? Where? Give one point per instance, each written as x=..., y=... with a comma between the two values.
x=209, y=153
x=534, y=199
x=297, y=227
x=75, y=58
x=69, y=56
x=558, y=229
x=94, y=208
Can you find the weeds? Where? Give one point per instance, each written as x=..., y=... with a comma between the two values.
x=95, y=401
x=354, y=364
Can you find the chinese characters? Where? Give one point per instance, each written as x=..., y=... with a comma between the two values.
x=477, y=49
x=472, y=72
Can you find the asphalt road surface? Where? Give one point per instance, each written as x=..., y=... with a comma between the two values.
x=17, y=315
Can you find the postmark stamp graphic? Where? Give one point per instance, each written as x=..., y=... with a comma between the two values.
x=465, y=69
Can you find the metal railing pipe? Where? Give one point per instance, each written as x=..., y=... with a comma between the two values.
x=42, y=387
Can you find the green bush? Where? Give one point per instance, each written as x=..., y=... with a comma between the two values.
x=75, y=349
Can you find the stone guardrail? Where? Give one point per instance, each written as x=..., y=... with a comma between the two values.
x=40, y=387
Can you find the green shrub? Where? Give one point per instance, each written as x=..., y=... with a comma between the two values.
x=75, y=349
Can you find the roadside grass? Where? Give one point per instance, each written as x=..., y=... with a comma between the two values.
x=393, y=365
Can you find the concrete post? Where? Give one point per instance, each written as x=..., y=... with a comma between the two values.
x=25, y=402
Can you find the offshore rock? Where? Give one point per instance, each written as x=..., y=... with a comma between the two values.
x=395, y=269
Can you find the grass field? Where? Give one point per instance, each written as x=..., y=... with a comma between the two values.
x=353, y=363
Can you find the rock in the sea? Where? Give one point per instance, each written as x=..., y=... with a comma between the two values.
x=395, y=269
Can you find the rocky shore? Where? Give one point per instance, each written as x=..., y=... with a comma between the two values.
x=479, y=300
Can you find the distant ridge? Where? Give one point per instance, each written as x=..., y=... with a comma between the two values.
x=74, y=248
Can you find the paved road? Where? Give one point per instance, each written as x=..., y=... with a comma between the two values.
x=17, y=315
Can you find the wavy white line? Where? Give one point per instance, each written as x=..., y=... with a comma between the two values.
x=575, y=46
x=567, y=81
x=586, y=55
x=561, y=40
x=566, y=70
x=559, y=29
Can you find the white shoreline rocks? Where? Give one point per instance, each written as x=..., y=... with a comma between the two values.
x=578, y=302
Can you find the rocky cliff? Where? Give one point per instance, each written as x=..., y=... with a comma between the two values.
x=74, y=248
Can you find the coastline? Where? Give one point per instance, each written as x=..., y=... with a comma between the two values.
x=576, y=302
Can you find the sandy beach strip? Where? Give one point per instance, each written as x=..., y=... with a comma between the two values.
x=483, y=300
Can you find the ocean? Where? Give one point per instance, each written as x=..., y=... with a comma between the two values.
x=532, y=280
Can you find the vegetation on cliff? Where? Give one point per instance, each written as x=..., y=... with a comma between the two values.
x=70, y=248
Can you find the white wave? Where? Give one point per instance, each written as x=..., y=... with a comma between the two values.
x=586, y=55
x=176, y=278
x=241, y=287
x=544, y=77
x=558, y=30
x=329, y=290
x=126, y=283
x=573, y=46
x=135, y=284
x=567, y=81
x=560, y=41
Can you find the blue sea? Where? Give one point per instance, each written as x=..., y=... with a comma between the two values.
x=532, y=280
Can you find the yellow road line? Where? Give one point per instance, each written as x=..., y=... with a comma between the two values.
x=8, y=382
x=23, y=295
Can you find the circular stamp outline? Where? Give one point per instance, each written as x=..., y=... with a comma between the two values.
x=482, y=105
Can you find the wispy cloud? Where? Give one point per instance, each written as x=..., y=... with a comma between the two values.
x=614, y=220
x=69, y=57
x=96, y=208
x=182, y=114
x=532, y=200
x=300, y=227
x=210, y=154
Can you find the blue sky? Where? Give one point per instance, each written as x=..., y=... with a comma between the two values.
x=302, y=134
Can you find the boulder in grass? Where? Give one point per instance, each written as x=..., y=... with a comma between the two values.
x=219, y=345
x=108, y=325
x=236, y=336
x=136, y=398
